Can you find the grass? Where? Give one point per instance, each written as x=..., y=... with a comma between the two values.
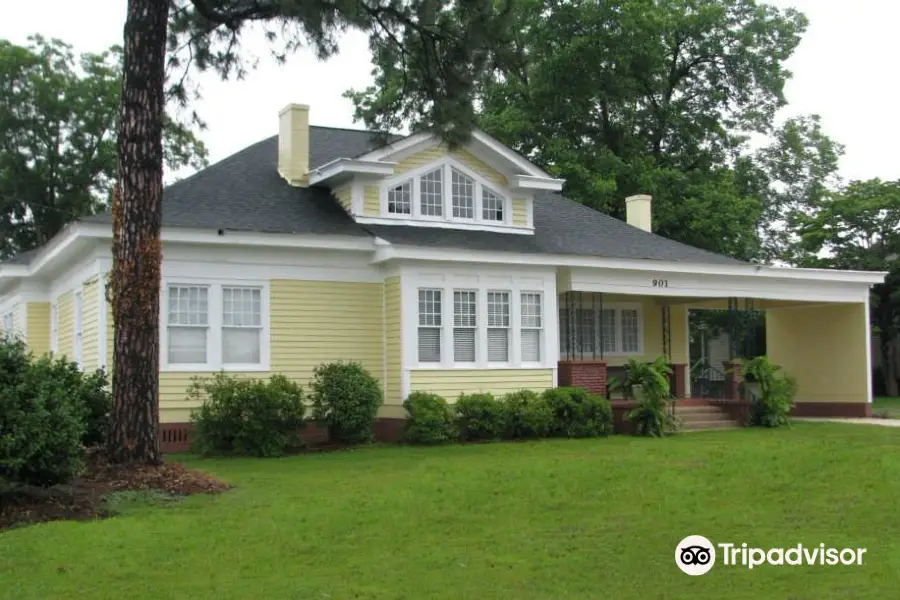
x=889, y=405
x=574, y=519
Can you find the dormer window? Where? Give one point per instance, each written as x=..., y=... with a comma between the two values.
x=400, y=199
x=463, y=196
x=446, y=192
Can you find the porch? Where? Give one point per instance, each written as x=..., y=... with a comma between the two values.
x=816, y=328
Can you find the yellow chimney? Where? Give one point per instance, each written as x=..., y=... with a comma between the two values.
x=293, y=144
x=637, y=209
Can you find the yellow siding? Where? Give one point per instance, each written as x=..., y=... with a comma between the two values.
x=90, y=324
x=371, y=201
x=392, y=340
x=520, y=212
x=824, y=348
x=450, y=383
x=39, y=327
x=344, y=196
x=66, y=325
x=110, y=336
x=436, y=153
x=311, y=322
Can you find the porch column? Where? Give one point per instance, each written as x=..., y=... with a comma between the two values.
x=734, y=375
x=587, y=374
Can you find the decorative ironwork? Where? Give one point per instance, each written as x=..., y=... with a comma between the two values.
x=732, y=328
x=707, y=381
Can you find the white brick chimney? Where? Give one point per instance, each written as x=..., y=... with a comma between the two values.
x=637, y=210
x=293, y=144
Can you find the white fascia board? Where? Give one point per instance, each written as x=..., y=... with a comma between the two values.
x=530, y=182
x=654, y=266
x=509, y=154
x=249, y=238
x=342, y=168
x=478, y=136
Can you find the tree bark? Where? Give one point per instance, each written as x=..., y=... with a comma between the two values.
x=137, y=211
x=889, y=367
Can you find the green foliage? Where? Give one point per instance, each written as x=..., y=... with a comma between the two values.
x=58, y=135
x=648, y=384
x=94, y=393
x=776, y=393
x=577, y=413
x=859, y=228
x=248, y=417
x=479, y=417
x=527, y=415
x=429, y=421
x=42, y=417
x=346, y=397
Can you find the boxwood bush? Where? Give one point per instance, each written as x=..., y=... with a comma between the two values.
x=346, y=398
x=479, y=417
x=249, y=417
x=577, y=413
x=527, y=414
x=429, y=419
x=48, y=410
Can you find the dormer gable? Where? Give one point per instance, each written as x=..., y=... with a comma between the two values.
x=419, y=181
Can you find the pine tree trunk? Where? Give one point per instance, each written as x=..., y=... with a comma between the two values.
x=889, y=368
x=137, y=211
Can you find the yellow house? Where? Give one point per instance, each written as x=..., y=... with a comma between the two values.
x=439, y=270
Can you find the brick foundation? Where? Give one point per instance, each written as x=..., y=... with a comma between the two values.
x=832, y=409
x=677, y=380
x=588, y=374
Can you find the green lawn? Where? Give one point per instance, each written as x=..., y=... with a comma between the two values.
x=558, y=519
x=886, y=404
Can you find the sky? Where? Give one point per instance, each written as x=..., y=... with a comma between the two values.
x=844, y=70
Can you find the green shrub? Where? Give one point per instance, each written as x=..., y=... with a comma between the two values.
x=649, y=386
x=479, y=417
x=95, y=393
x=346, y=398
x=430, y=420
x=249, y=417
x=42, y=417
x=527, y=415
x=577, y=413
x=776, y=393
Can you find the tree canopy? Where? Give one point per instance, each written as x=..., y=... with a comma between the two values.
x=649, y=96
x=58, y=118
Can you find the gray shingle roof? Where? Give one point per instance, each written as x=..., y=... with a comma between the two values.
x=561, y=226
x=245, y=193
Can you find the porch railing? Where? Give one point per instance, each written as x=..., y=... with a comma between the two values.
x=707, y=381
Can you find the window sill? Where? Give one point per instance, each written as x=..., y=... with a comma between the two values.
x=193, y=368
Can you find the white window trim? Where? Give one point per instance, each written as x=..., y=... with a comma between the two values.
x=618, y=307
x=9, y=323
x=214, y=326
x=78, y=328
x=446, y=164
x=54, y=327
x=542, y=336
x=549, y=355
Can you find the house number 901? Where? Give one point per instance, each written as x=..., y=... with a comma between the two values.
x=660, y=283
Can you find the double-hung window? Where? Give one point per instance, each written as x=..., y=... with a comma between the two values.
x=430, y=326
x=216, y=326
x=400, y=199
x=532, y=323
x=79, y=316
x=465, y=324
x=498, y=326
x=241, y=325
x=188, y=325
